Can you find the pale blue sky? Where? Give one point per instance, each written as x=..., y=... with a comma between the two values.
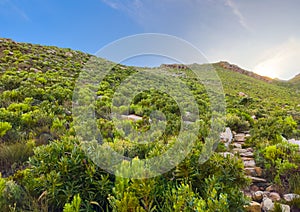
x=259, y=35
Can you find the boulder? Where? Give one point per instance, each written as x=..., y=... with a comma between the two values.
x=285, y=208
x=227, y=136
x=267, y=204
x=275, y=197
x=290, y=197
x=253, y=207
x=257, y=196
x=271, y=188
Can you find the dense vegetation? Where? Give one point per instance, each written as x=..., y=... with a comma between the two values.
x=45, y=168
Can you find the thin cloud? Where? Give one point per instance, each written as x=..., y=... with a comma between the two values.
x=125, y=5
x=16, y=10
x=238, y=14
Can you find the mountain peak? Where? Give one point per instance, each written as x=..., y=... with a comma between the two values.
x=235, y=68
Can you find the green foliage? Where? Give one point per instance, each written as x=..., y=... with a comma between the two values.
x=62, y=170
x=74, y=206
x=4, y=127
x=236, y=123
x=36, y=91
x=11, y=194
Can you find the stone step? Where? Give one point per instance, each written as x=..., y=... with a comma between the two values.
x=246, y=154
x=250, y=163
x=237, y=145
x=240, y=137
x=257, y=179
x=246, y=158
x=253, y=171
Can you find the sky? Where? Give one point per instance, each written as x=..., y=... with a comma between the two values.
x=258, y=35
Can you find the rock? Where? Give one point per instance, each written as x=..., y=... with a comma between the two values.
x=68, y=54
x=246, y=154
x=249, y=149
x=250, y=171
x=237, y=145
x=133, y=117
x=246, y=159
x=227, y=136
x=271, y=188
x=238, y=150
x=267, y=204
x=254, y=188
x=240, y=137
x=257, y=179
x=258, y=171
x=250, y=163
x=258, y=196
x=275, y=197
x=68, y=113
x=293, y=141
x=253, y=207
x=242, y=94
x=266, y=193
x=285, y=208
x=290, y=197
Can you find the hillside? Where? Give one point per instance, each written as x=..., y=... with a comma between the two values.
x=45, y=123
x=296, y=79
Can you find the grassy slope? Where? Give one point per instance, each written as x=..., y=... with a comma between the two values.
x=62, y=65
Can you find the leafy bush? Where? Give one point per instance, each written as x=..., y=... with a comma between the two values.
x=61, y=170
x=4, y=127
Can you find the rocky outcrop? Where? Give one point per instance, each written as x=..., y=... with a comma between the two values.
x=237, y=69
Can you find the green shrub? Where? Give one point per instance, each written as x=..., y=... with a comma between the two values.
x=62, y=170
x=4, y=127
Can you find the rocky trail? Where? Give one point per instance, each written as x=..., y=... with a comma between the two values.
x=262, y=193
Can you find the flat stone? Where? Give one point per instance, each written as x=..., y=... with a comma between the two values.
x=250, y=149
x=239, y=137
x=274, y=196
x=290, y=197
x=238, y=150
x=237, y=145
x=246, y=159
x=246, y=154
x=250, y=163
x=257, y=179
